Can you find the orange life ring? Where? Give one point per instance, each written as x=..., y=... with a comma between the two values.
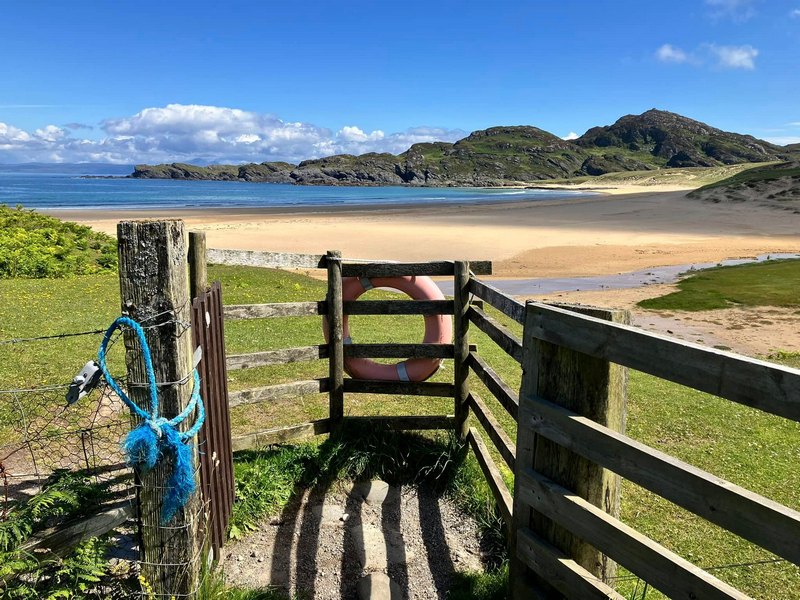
x=438, y=329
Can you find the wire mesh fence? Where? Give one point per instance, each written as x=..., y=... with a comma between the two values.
x=40, y=433
x=44, y=441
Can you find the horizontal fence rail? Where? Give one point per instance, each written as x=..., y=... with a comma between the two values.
x=273, y=260
x=280, y=435
x=398, y=307
x=398, y=350
x=271, y=310
x=404, y=422
x=507, y=397
x=508, y=306
x=404, y=388
x=442, y=268
x=560, y=571
x=276, y=357
x=500, y=334
x=668, y=572
x=275, y=309
x=756, y=383
x=753, y=517
x=280, y=391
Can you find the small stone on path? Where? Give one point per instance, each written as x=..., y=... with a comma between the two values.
x=375, y=492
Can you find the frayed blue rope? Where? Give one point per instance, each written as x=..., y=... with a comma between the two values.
x=146, y=444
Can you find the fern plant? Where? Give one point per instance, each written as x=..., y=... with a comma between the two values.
x=23, y=574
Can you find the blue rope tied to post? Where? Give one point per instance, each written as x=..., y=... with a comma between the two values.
x=148, y=442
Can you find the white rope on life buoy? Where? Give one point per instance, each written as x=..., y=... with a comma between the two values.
x=438, y=329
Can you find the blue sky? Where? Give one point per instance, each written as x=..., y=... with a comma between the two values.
x=209, y=81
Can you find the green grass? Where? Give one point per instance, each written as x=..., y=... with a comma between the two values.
x=476, y=585
x=752, y=449
x=771, y=283
x=213, y=587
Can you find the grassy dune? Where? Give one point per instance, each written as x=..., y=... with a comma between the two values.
x=762, y=173
x=690, y=176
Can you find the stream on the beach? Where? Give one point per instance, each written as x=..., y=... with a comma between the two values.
x=634, y=279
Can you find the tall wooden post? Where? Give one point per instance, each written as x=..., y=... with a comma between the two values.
x=461, y=347
x=198, y=267
x=595, y=389
x=154, y=289
x=335, y=338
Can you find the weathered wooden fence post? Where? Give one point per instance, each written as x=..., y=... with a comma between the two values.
x=335, y=339
x=593, y=388
x=461, y=347
x=154, y=290
x=198, y=266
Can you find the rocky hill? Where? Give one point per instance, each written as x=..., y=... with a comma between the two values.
x=508, y=155
x=665, y=139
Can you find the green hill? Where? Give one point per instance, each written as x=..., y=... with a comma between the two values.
x=666, y=139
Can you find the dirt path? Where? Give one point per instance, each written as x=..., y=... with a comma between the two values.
x=325, y=541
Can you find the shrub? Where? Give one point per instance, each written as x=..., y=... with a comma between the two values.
x=36, y=246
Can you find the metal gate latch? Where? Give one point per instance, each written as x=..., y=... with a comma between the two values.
x=84, y=382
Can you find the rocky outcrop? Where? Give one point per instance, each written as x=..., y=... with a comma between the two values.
x=267, y=172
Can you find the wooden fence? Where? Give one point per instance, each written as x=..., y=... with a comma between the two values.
x=564, y=537
x=571, y=450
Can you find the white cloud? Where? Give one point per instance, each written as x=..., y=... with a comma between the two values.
x=571, y=136
x=736, y=10
x=669, y=53
x=351, y=133
x=795, y=14
x=783, y=140
x=198, y=133
x=705, y=55
x=735, y=57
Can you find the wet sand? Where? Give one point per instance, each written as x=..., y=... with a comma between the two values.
x=592, y=235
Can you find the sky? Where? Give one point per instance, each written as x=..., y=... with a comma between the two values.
x=235, y=81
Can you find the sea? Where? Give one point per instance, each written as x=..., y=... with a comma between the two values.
x=110, y=190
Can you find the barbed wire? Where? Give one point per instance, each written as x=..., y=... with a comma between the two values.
x=57, y=336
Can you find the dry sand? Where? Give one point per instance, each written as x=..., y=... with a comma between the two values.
x=609, y=233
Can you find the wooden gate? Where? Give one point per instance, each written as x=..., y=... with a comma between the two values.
x=216, y=459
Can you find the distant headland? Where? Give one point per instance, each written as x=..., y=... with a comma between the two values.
x=501, y=156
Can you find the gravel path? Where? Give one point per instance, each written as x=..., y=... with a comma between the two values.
x=325, y=541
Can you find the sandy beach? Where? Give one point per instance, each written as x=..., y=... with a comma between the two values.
x=623, y=231
x=619, y=230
